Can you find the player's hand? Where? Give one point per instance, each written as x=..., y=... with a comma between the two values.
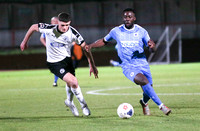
x=23, y=46
x=87, y=48
x=151, y=44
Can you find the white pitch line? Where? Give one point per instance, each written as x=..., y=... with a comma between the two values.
x=99, y=92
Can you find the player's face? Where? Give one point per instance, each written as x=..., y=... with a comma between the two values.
x=129, y=18
x=54, y=21
x=63, y=26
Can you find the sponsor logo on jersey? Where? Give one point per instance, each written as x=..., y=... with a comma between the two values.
x=133, y=45
x=56, y=44
x=130, y=43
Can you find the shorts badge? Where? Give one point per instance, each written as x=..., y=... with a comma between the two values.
x=62, y=71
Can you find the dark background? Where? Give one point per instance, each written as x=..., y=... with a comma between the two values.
x=94, y=19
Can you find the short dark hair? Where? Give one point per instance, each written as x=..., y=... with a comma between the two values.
x=64, y=17
x=129, y=9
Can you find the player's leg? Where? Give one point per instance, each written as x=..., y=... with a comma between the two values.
x=69, y=101
x=145, y=106
x=144, y=101
x=60, y=69
x=147, y=73
x=130, y=73
x=69, y=92
x=145, y=98
x=148, y=90
x=55, y=81
x=72, y=81
x=141, y=80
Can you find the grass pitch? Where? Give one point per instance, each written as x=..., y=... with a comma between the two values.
x=29, y=102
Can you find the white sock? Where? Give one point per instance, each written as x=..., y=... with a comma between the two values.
x=160, y=105
x=143, y=102
x=77, y=92
x=70, y=94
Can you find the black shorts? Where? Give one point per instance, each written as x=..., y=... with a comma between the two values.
x=62, y=67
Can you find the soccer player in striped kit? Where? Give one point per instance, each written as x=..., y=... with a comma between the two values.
x=59, y=39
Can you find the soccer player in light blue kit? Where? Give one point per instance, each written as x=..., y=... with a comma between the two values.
x=131, y=40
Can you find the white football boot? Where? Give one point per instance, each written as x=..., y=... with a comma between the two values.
x=86, y=110
x=72, y=107
x=165, y=109
x=145, y=107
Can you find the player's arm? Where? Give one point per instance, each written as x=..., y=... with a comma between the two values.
x=90, y=61
x=98, y=43
x=152, y=46
x=30, y=31
x=42, y=40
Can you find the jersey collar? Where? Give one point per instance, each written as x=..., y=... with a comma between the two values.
x=129, y=29
x=58, y=30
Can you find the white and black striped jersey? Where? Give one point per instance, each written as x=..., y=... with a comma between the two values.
x=58, y=45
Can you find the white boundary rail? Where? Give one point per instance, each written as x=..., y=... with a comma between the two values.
x=169, y=42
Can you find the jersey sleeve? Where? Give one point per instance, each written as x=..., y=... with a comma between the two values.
x=146, y=38
x=43, y=27
x=109, y=36
x=77, y=36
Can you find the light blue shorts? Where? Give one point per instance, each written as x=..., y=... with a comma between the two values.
x=131, y=71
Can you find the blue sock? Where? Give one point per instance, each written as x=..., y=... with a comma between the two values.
x=55, y=78
x=145, y=98
x=148, y=89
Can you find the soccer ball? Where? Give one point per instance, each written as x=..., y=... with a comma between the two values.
x=125, y=110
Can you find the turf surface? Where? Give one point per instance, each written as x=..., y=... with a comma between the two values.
x=29, y=102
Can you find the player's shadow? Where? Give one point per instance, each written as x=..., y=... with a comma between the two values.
x=43, y=118
x=36, y=118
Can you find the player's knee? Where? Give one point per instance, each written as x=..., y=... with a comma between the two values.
x=144, y=81
x=141, y=80
x=74, y=83
x=71, y=82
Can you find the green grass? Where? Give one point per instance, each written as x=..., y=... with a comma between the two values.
x=29, y=102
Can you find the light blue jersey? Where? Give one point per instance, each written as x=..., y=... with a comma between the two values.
x=131, y=43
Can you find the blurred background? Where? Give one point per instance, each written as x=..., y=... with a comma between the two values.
x=173, y=24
